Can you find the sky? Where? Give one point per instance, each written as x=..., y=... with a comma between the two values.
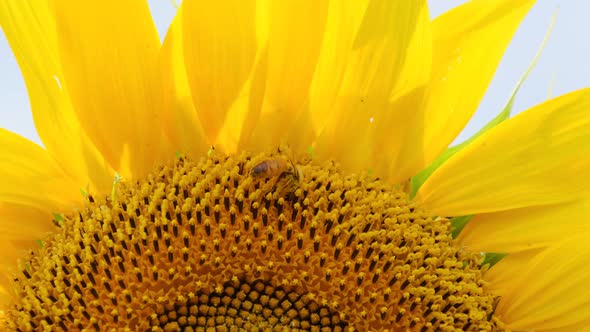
x=562, y=67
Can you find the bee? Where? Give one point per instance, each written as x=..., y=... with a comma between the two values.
x=287, y=173
x=271, y=167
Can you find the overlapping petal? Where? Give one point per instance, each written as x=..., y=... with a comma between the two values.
x=536, y=158
x=469, y=42
x=31, y=177
x=525, y=228
x=342, y=23
x=20, y=228
x=386, y=61
x=295, y=35
x=508, y=271
x=220, y=47
x=109, y=56
x=549, y=292
x=180, y=120
x=284, y=70
x=419, y=123
x=30, y=29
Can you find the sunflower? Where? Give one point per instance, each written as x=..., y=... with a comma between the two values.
x=283, y=165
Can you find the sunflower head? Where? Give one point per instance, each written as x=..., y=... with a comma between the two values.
x=362, y=220
x=219, y=243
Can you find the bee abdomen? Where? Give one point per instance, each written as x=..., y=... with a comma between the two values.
x=260, y=169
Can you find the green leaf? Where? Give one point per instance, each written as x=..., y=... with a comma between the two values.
x=492, y=258
x=418, y=180
x=457, y=225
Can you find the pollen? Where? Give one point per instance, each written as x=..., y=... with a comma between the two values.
x=208, y=245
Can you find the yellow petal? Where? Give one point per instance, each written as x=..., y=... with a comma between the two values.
x=30, y=30
x=220, y=46
x=182, y=125
x=108, y=52
x=581, y=326
x=5, y=297
x=31, y=177
x=507, y=272
x=418, y=179
x=525, y=228
x=469, y=42
x=535, y=158
x=20, y=227
x=387, y=61
x=293, y=45
x=342, y=23
x=551, y=292
x=390, y=54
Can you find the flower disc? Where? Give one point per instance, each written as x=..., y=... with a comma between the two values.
x=206, y=244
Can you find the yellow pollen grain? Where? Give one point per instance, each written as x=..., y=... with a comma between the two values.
x=206, y=245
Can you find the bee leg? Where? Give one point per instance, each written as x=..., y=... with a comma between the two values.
x=286, y=184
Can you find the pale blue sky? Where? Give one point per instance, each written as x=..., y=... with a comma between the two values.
x=564, y=61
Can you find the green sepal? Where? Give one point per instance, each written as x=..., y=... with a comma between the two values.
x=40, y=243
x=58, y=219
x=492, y=258
x=116, y=180
x=310, y=152
x=210, y=151
x=458, y=223
x=418, y=180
